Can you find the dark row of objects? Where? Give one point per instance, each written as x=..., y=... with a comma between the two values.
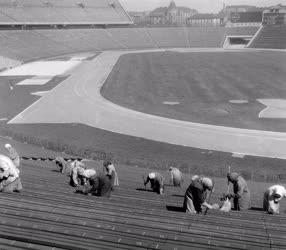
x=48, y=159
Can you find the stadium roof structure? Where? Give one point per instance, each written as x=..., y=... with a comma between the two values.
x=71, y=12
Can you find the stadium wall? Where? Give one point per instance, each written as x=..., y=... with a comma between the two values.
x=28, y=45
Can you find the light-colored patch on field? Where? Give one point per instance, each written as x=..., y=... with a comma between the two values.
x=171, y=103
x=3, y=119
x=41, y=68
x=238, y=155
x=40, y=93
x=276, y=108
x=78, y=58
x=78, y=100
x=36, y=80
x=238, y=101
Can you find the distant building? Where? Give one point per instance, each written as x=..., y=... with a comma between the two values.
x=242, y=15
x=171, y=15
x=275, y=15
x=205, y=20
x=178, y=15
x=141, y=18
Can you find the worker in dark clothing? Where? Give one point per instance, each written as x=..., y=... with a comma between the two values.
x=241, y=193
x=196, y=194
x=99, y=185
x=110, y=171
x=157, y=182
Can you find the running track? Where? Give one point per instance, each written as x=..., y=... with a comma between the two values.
x=78, y=100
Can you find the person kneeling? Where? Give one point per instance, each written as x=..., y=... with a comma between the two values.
x=9, y=176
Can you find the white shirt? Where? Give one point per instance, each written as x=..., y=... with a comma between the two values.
x=8, y=169
x=277, y=189
x=88, y=173
x=176, y=173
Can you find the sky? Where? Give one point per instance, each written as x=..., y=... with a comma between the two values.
x=203, y=6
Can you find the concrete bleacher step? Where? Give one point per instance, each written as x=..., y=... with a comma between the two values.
x=273, y=37
x=55, y=216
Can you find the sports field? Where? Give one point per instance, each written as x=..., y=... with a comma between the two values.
x=56, y=119
x=212, y=88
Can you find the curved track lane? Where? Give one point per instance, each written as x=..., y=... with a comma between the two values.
x=78, y=100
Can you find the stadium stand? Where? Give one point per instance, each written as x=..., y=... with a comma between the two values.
x=60, y=12
x=169, y=37
x=49, y=214
x=272, y=34
x=272, y=37
x=27, y=45
x=133, y=38
x=242, y=31
x=6, y=62
x=206, y=37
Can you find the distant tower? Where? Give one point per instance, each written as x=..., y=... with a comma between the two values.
x=172, y=12
x=172, y=5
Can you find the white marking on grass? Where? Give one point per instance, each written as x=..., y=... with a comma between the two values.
x=238, y=101
x=36, y=80
x=78, y=58
x=276, y=108
x=40, y=93
x=171, y=103
x=41, y=68
x=238, y=155
x=3, y=119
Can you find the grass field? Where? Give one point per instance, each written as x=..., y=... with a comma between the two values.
x=148, y=96
x=203, y=85
x=14, y=101
x=135, y=151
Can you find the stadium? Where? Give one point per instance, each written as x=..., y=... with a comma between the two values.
x=81, y=80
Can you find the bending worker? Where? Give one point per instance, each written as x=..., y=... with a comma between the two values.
x=61, y=164
x=176, y=176
x=77, y=168
x=241, y=194
x=196, y=194
x=99, y=185
x=13, y=155
x=272, y=197
x=157, y=182
x=111, y=172
x=9, y=176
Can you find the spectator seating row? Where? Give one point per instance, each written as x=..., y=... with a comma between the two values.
x=271, y=37
x=52, y=11
x=26, y=45
x=6, y=62
x=49, y=214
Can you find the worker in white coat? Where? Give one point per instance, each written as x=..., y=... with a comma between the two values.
x=13, y=155
x=9, y=176
x=176, y=176
x=272, y=197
